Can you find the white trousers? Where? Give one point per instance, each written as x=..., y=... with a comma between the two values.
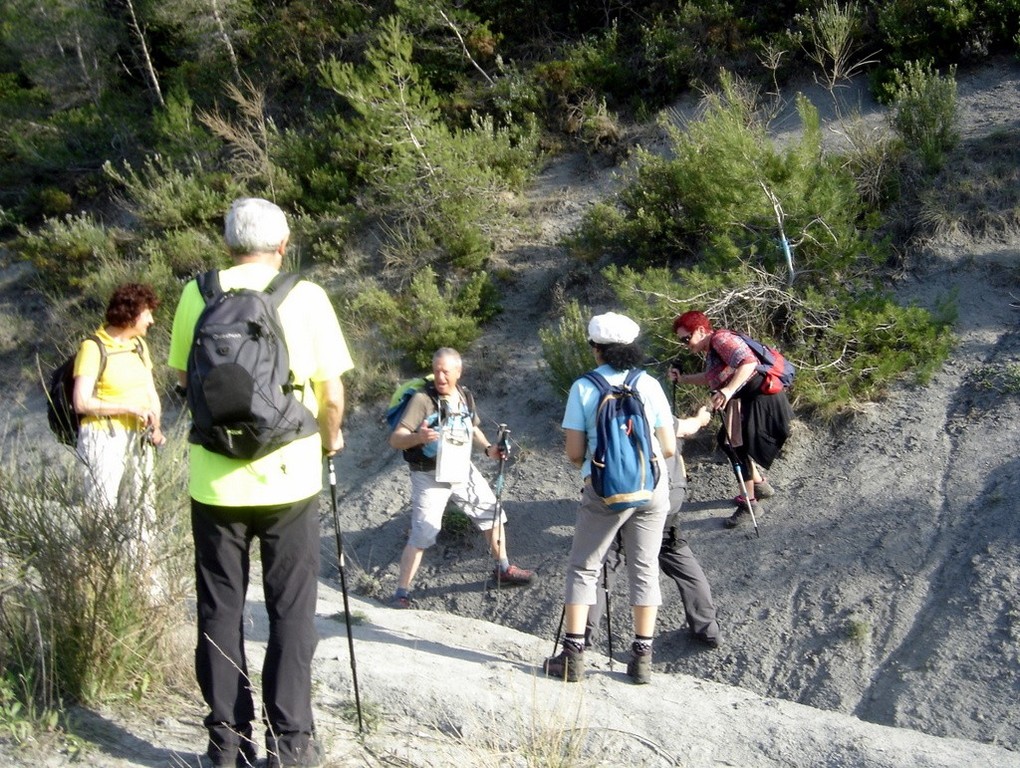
x=119, y=481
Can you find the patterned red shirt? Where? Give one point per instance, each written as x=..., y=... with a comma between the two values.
x=726, y=352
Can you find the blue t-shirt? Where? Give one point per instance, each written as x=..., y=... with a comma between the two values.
x=582, y=402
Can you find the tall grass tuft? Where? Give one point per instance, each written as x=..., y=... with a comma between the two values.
x=85, y=616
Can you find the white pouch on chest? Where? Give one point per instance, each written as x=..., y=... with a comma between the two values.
x=453, y=459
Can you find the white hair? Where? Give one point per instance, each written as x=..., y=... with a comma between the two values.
x=254, y=225
x=447, y=352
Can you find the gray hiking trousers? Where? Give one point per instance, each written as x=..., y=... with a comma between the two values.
x=595, y=529
x=677, y=562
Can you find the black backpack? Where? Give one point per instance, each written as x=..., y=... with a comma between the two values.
x=65, y=422
x=240, y=387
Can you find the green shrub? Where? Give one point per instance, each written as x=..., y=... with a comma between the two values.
x=565, y=349
x=67, y=251
x=716, y=199
x=178, y=135
x=947, y=31
x=164, y=196
x=424, y=318
x=457, y=528
x=689, y=46
x=184, y=252
x=437, y=189
x=53, y=202
x=925, y=113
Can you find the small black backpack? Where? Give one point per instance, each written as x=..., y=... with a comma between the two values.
x=240, y=387
x=65, y=422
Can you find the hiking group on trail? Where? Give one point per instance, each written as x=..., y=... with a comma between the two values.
x=259, y=356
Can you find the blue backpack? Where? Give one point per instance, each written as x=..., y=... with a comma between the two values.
x=623, y=471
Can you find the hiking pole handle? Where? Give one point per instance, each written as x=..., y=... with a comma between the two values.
x=503, y=440
x=332, y=495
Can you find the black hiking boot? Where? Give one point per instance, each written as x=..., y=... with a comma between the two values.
x=639, y=667
x=567, y=665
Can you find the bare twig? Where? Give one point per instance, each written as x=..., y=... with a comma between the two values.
x=463, y=46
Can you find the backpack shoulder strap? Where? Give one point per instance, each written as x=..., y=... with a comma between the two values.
x=209, y=285
x=142, y=350
x=469, y=399
x=760, y=350
x=103, y=354
x=599, y=381
x=632, y=377
x=280, y=286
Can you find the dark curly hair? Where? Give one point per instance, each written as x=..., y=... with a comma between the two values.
x=622, y=357
x=128, y=302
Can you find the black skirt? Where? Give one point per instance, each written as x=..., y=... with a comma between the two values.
x=765, y=422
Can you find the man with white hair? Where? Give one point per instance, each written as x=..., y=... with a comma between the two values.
x=273, y=498
x=443, y=403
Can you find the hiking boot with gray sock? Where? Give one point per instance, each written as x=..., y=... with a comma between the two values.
x=567, y=665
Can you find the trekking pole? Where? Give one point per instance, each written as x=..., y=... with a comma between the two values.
x=503, y=445
x=740, y=476
x=343, y=588
x=743, y=492
x=559, y=629
x=609, y=613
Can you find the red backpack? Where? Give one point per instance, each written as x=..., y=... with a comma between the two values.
x=777, y=370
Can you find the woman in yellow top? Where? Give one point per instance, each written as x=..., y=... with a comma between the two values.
x=120, y=411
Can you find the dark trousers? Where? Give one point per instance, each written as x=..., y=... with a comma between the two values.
x=289, y=546
x=676, y=561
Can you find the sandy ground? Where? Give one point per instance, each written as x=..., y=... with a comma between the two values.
x=874, y=622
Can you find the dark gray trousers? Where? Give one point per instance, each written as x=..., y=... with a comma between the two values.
x=289, y=547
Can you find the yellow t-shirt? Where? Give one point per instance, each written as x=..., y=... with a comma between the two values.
x=126, y=379
x=318, y=352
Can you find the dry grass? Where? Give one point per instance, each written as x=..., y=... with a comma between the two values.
x=85, y=619
x=977, y=194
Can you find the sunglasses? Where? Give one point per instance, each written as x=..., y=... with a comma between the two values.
x=685, y=338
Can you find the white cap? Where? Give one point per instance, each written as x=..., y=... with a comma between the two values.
x=612, y=328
